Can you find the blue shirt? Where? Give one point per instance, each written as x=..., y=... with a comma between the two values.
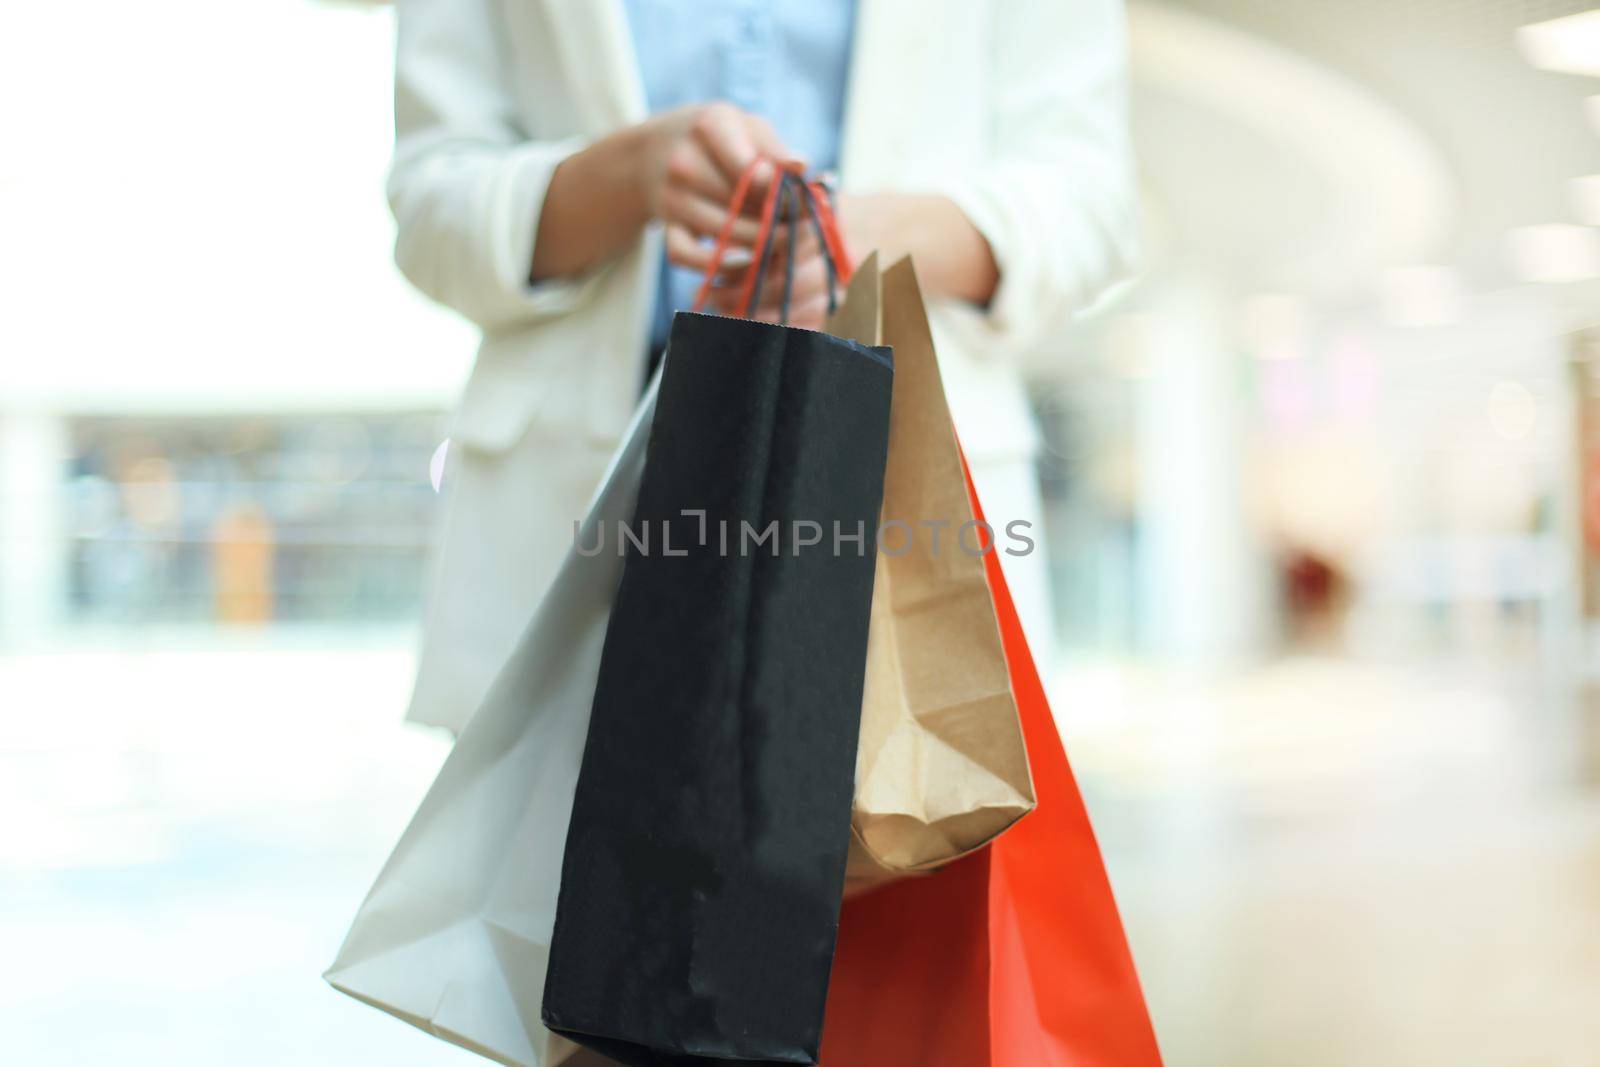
x=785, y=60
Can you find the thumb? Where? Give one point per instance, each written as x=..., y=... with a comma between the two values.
x=768, y=143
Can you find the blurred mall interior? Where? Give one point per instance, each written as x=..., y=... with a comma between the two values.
x=1324, y=490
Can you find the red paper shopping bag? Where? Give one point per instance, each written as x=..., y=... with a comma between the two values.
x=1012, y=957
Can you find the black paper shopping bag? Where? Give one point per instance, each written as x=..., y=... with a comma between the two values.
x=705, y=859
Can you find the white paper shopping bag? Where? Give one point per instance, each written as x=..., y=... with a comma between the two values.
x=455, y=934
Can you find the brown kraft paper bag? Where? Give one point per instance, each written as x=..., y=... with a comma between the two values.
x=941, y=769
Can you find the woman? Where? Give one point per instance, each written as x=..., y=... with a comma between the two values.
x=560, y=164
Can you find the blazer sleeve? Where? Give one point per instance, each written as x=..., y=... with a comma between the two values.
x=1056, y=199
x=467, y=183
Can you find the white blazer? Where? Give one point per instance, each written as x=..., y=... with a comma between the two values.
x=1012, y=108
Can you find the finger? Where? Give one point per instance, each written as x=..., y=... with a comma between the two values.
x=797, y=228
x=810, y=277
x=777, y=244
x=702, y=218
x=689, y=168
x=684, y=249
x=809, y=281
x=810, y=268
x=740, y=259
x=705, y=218
x=726, y=134
x=811, y=315
x=735, y=139
x=727, y=296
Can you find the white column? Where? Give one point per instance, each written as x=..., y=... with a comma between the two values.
x=1205, y=582
x=33, y=550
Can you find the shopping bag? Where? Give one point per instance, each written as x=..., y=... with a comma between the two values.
x=454, y=936
x=706, y=852
x=1013, y=956
x=942, y=768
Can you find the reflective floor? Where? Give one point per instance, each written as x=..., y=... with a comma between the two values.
x=1323, y=861
x=1330, y=863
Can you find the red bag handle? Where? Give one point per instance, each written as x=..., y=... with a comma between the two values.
x=832, y=237
x=822, y=207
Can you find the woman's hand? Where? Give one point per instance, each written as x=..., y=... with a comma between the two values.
x=953, y=259
x=693, y=157
x=697, y=156
x=808, y=293
x=679, y=167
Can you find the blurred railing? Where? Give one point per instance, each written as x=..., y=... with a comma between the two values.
x=211, y=521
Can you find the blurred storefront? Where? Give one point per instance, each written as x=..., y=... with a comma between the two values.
x=254, y=520
x=1340, y=407
x=1337, y=406
x=218, y=398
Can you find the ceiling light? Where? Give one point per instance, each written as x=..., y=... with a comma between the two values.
x=1570, y=45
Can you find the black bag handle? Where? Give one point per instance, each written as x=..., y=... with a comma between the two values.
x=793, y=194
